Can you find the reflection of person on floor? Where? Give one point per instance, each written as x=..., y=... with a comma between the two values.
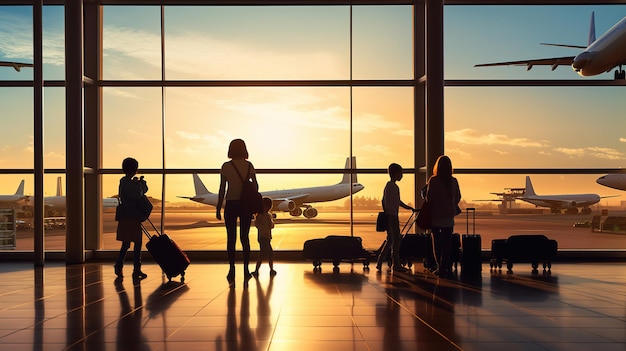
x=237, y=339
x=264, y=224
x=129, y=324
x=264, y=311
x=391, y=204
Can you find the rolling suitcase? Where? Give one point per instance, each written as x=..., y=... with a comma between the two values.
x=172, y=260
x=335, y=248
x=471, y=255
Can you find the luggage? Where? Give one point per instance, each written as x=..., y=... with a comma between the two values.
x=172, y=260
x=533, y=248
x=471, y=252
x=413, y=247
x=335, y=248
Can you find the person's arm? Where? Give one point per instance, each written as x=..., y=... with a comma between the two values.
x=220, y=197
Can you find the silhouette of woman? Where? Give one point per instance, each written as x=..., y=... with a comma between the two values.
x=230, y=190
x=443, y=194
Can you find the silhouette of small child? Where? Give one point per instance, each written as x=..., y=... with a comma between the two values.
x=264, y=223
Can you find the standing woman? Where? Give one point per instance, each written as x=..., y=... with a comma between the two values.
x=443, y=194
x=129, y=230
x=232, y=174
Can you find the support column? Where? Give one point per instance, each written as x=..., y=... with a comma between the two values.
x=75, y=238
x=38, y=206
x=434, y=82
x=93, y=126
x=419, y=99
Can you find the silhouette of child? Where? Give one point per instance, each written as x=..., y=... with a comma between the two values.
x=264, y=223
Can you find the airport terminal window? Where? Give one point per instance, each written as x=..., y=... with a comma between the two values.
x=535, y=127
x=284, y=127
x=131, y=43
x=17, y=127
x=132, y=125
x=483, y=34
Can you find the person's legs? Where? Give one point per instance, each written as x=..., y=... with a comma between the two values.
x=137, y=273
x=119, y=263
x=270, y=256
x=384, y=252
x=230, y=220
x=437, y=245
x=244, y=235
x=396, y=238
x=446, y=246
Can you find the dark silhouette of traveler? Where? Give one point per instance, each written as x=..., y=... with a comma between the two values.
x=129, y=326
x=443, y=194
x=264, y=224
x=391, y=204
x=131, y=189
x=237, y=337
x=230, y=190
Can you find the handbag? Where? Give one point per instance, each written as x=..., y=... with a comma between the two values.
x=381, y=222
x=423, y=219
x=251, y=200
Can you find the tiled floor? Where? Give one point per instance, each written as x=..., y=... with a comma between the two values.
x=580, y=306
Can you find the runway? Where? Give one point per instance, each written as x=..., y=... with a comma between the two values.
x=200, y=230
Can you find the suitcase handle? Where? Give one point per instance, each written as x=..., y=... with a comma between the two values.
x=473, y=210
x=146, y=232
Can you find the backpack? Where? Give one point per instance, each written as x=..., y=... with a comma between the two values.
x=251, y=200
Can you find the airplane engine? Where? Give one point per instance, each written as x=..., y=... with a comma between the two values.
x=296, y=212
x=310, y=212
x=286, y=206
x=572, y=204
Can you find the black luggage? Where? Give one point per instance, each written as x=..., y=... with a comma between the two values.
x=172, y=260
x=471, y=252
x=413, y=247
x=335, y=248
x=533, y=248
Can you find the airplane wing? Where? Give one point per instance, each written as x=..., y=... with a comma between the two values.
x=16, y=65
x=553, y=62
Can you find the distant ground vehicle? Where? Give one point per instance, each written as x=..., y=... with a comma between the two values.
x=54, y=223
x=583, y=224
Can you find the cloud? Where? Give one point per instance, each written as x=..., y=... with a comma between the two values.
x=623, y=140
x=472, y=137
x=593, y=151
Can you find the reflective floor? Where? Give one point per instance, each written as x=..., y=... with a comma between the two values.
x=579, y=306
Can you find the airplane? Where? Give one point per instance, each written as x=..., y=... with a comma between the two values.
x=16, y=65
x=295, y=201
x=570, y=203
x=58, y=202
x=599, y=56
x=12, y=200
x=615, y=181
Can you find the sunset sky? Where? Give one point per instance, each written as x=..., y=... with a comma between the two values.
x=309, y=127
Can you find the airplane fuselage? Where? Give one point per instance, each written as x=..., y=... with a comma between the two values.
x=563, y=201
x=605, y=53
x=615, y=181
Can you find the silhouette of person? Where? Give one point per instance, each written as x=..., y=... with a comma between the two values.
x=230, y=190
x=443, y=194
x=131, y=189
x=264, y=224
x=391, y=204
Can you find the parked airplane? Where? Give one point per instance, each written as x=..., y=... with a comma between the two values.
x=615, y=181
x=295, y=201
x=58, y=202
x=12, y=200
x=570, y=203
x=599, y=56
x=16, y=65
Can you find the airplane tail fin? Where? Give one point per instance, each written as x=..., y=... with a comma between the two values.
x=592, y=30
x=59, y=187
x=199, y=186
x=20, y=189
x=350, y=164
x=529, y=191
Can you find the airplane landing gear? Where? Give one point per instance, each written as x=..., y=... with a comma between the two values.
x=620, y=73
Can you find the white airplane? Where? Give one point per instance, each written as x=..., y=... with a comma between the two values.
x=12, y=200
x=16, y=65
x=58, y=202
x=570, y=203
x=615, y=181
x=295, y=201
x=599, y=56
